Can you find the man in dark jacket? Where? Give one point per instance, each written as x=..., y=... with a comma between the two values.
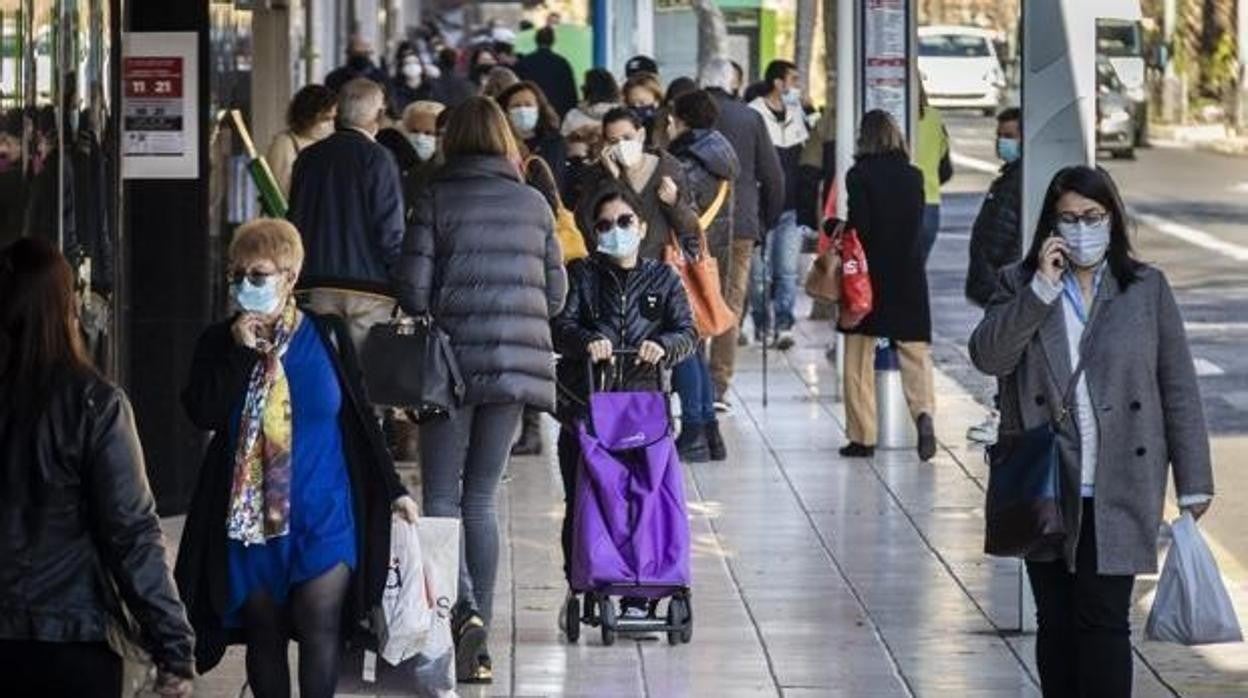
x=346, y=200
x=550, y=71
x=359, y=65
x=996, y=238
x=759, y=191
x=450, y=88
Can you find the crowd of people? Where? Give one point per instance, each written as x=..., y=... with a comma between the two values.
x=437, y=191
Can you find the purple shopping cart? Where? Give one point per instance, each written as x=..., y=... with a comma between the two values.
x=630, y=526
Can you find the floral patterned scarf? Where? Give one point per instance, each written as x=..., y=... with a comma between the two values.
x=260, y=495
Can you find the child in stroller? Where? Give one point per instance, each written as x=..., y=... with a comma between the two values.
x=616, y=301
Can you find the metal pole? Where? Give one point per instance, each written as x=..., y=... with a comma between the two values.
x=846, y=100
x=766, y=312
x=1241, y=48
x=601, y=19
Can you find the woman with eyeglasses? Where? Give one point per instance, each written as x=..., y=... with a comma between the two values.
x=81, y=552
x=288, y=533
x=616, y=300
x=1081, y=326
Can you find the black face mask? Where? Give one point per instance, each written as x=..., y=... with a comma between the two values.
x=359, y=61
x=646, y=114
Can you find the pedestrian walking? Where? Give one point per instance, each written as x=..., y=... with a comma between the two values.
x=886, y=208
x=347, y=203
x=655, y=177
x=773, y=271
x=288, y=533
x=644, y=95
x=413, y=142
x=932, y=158
x=409, y=83
x=81, y=537
x=481, y=258
x=1081, y=326
x=710, y=166
x=617, y=299
x=680, y=86
x=359, y=65
x=449, y=87
x=536, y=125
x=550, y=71
x=759, y=199
x=309, y=118
x=602, y=94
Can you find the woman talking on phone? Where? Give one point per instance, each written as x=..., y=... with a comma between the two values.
x=1081, y=299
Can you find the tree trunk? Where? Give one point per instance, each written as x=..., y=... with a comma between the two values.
x=805, y=40
x=712, y=32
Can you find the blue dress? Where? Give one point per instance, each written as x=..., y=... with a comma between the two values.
x=322, y=527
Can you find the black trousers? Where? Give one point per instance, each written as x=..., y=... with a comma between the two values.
x=33, y=669
x=1083, y=639
x=569, y=448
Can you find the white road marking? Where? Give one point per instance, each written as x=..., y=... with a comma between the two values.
x=1241, y=188
x=1217, y=327
x=1206, y=368
x=976, y=164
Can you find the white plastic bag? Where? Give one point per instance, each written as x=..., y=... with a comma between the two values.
x=434, y=664
x=406, y=607
x=1191, y=606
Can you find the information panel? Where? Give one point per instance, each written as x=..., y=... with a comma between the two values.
x=160, y=106
x=886, y=58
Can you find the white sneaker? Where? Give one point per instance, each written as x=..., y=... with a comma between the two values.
x=985, y=432
x=723, y=407
x=785, y=340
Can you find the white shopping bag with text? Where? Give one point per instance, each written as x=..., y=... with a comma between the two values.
x=405, y=603
x=434, y=664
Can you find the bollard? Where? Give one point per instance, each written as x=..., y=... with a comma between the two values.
x=896, y=429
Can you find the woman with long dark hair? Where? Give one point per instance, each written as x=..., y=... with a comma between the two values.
x=79, y=537
x=1082, y=327
x=536, y=125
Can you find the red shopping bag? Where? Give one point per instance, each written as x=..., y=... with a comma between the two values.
x=856, y=297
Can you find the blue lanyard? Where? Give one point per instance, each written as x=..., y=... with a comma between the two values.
x=1070, y=289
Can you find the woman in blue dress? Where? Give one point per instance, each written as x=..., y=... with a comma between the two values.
x=288, y=533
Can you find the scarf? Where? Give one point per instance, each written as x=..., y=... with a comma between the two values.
x=260, y=494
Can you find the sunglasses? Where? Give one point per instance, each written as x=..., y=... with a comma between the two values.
x=625, y=220
x=257, y=278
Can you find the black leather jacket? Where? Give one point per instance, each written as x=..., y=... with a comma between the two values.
x=996, y=236
x=79, y=536
x=627, y=308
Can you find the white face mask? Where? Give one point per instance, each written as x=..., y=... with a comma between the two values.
x=628, y=153
x=1088, y=243
x=424, y=144
x=412, y=71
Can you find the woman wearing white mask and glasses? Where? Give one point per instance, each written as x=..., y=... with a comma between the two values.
x=1080, y=298
x=410, y=82
x=657, y=179
x=288, y=534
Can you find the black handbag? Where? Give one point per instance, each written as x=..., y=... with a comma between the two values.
x=1023, y=511
x=408, y=363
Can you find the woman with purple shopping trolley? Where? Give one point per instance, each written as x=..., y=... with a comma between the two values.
x=627, y=317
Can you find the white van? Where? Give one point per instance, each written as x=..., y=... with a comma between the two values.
x=960, y=69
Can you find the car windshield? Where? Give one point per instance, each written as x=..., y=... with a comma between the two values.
x=1107, y=76
x=953, y=46
x=1118, y=39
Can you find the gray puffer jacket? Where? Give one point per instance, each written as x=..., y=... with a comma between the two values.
x=481, y=256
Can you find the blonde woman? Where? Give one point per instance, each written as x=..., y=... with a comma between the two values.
x=309, y=119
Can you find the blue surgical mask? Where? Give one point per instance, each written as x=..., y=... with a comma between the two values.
x=1088, y=243
x=263, y=299
x=424, y=144
x=619, y=243
x=792, y=97
x=523, y=118
x=1009, y=149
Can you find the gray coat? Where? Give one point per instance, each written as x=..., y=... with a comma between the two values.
x=481, y=256
x=1143, y=386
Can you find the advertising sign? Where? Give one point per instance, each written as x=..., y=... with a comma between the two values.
x=160, y=106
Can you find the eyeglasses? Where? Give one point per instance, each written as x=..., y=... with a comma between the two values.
x=625, y=220
x=1089, y=217
x=257, y=278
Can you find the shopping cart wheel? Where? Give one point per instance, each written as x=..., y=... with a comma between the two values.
x=572, y=620
x=679, y=616
x=606, y=614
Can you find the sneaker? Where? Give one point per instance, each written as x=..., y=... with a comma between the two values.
x=715, y=443
x=784, y=340
x=692, y=445
x=854, y=450
x=743, y=339
x=986, y=431
x=927, y=437
x=722, y=406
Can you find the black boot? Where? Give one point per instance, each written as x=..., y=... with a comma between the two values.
x=927, y=437
x=530, y=441
x=691, y=444
x=715, y=442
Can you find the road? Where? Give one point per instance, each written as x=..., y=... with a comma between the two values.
x=1191, y=211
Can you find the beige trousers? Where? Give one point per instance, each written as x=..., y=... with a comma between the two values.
x=359, y=310
x=735, y=276
x=916, y=381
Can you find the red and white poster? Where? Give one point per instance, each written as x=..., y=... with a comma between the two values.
x=160, y=105
x=886, y=59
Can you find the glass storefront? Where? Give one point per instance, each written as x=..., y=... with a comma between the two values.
x=58, y=167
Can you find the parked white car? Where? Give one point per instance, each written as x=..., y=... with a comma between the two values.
x=960, y=69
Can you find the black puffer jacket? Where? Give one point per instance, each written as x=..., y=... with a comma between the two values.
x=996, y=236
x=481, y=256
x=708, y=159
x=79, y=536
x=626, y=307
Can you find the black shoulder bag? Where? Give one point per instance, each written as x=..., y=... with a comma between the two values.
x=409, y=363
x=1023, y=512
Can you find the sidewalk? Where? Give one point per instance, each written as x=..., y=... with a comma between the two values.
x=1215, y=138
x=814, y=575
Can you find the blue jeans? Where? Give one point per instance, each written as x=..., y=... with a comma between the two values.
x=777, y=282
x=692, y=380
x=931, y=226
